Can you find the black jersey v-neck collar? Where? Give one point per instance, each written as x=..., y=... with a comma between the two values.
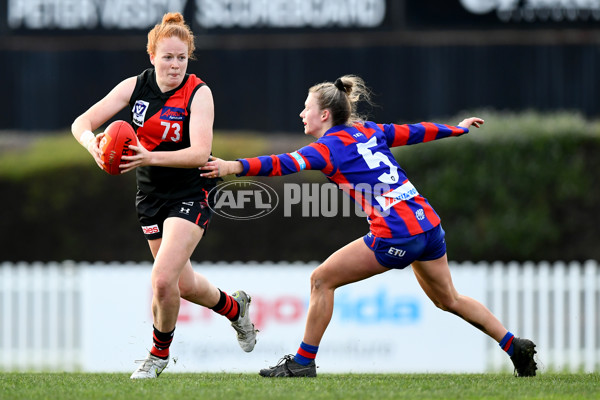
x=160, y=93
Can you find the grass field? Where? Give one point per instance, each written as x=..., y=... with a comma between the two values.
x=208, y=386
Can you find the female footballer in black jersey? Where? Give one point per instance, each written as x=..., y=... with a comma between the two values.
x=172, y=113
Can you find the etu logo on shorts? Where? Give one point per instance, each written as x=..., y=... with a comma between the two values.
x=396, y=252
x=172, y=114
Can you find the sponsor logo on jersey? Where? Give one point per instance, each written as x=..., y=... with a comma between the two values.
x=172, y=114
x=299, y=159
x=139, y=112
x=150, y=229
x=405, y=192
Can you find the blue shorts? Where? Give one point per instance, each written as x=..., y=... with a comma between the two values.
x=399, y=253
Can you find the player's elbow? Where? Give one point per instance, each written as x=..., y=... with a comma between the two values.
x=201, y=157
x=75, y=126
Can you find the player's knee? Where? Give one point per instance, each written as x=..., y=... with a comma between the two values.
x=448, y=304
x=315, y=281
x=163, y=287
x=318, y=280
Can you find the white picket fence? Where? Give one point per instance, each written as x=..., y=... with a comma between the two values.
x=40, y=316
x=43, y=312
x=558, y=305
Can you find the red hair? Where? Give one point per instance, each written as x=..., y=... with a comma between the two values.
x=172, y=25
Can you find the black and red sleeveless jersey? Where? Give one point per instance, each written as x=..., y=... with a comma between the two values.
x=161, y=121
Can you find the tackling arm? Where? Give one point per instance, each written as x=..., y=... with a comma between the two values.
x=313, y=156
x=407, y=134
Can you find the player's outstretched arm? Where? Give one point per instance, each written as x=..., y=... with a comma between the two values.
x=216, y=167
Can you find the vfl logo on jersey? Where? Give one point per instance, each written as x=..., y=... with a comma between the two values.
x=172, y=114
x=139, y=112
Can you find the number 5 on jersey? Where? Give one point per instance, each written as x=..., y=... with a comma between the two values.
x=373, y=160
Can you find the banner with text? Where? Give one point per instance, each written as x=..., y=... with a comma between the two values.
x=382, y=324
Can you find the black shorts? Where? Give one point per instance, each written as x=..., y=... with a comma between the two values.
x=153, y=211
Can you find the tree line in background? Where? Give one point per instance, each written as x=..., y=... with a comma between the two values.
x=523, y=187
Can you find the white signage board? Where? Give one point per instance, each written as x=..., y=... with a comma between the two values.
x=382, y=324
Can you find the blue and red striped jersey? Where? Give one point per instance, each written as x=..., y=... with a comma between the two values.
x=358, y=159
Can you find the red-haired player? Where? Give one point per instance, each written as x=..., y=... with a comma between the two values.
x=172, y=113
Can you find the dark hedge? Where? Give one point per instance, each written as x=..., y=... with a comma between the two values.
x=526, y=189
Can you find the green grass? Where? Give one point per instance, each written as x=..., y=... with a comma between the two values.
x=206, y=386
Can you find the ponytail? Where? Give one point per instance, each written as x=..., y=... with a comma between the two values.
x=342, y=97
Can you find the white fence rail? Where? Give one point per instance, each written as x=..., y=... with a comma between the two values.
x=557, y=304
x=50, y=315
x=40, y=316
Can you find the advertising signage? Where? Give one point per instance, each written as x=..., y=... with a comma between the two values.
x=218, y=16
x=504, y=14
x=102, y=15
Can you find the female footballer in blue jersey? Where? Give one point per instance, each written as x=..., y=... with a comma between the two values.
x=404, y=228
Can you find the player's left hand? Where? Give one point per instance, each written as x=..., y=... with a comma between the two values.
x=475, y=121
x=212, y=169
x=139, y=159
x=216, y=168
